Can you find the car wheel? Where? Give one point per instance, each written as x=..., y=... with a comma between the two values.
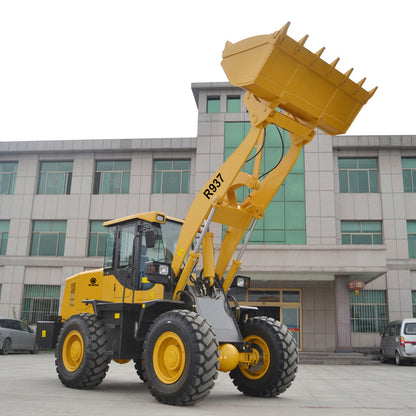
x=383, y=358
x=7, y=345
x=398, y=359
x=34, y=350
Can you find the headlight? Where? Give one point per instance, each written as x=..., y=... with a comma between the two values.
x=163, y=269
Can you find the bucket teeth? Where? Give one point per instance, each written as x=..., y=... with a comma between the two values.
x=281, y=34
x=361, y=82
x=318, y=55
x=301, y=43
x=348, y=73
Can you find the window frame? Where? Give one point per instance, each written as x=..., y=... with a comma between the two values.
x=47, y=176
x=158, y=185
x=36, y=237
x=409, y=187
x=377, y=312
x=100, y=182
x=349, y=175
x=98, y=235
x=361, y=233
x=4, y=236
x=11, y=182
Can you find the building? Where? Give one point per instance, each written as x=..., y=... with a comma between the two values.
x=346, y=212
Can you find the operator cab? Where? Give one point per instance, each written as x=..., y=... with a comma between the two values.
x=140, y=249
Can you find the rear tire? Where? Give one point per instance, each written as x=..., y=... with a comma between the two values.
x=81, y=357
x=277, y=363
x=180, y=358
x=398, y=359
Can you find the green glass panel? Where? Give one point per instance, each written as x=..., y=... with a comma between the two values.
x=274, y=236
x=163, y=164
x=13, y=181
x=371, y=226
x=8, y=167
x=171, y=183
x=34, y=244
x=413, y=180
x=186, y=177
x=42, y=183
x=275, y=218
x=414, y=296
x=412, y=246
x=157, y=181
x=55, y=183
x=213, y=105
x=407, y=180
x=181, y=164
x=111, y=182
x=65, y=166
x=92, y=246
x=353, y=181
x=367, y=163
x=350, y=227
x=97, y=226
x=122, y=165
x=347, y=163
x=363, y=185
x=48, y=244
x=343, y=181
x=373, y=177
x=233, y=104
x=102, y=238
x=295, y=237
x=40, y=226
x=126, y=183
x=295, y=188
x=234, y=134
x=4, y=226
x=61, y=244
x=58, y=226
x=411, y=227
x=409, y=162
x=105, y=165
x=361, y=239
x=3, y=242
x=294, y=215
x=377, y=239
x=48, y=167
x=299, y=166
x=346, y=238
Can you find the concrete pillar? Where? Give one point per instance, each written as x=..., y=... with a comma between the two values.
x=342, y=314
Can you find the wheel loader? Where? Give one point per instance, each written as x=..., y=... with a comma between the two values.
x=162, y=297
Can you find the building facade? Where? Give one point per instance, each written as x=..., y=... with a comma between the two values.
x=346, y=212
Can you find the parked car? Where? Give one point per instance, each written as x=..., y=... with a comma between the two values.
x=16, y=335
x=398, y=341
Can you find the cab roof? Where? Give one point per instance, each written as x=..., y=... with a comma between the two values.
x=153, y=216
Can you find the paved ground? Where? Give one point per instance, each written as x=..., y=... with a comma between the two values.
x=29, y=385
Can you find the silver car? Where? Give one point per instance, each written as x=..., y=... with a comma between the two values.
x=398, y=341
x=16, y=335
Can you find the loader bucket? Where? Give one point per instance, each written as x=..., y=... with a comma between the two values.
x=281, y=71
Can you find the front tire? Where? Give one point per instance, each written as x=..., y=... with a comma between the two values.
x=81, y=357
x=7, y=345
x=277, y=362
x=180, y=358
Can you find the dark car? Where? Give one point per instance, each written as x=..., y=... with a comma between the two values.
x=16, y=335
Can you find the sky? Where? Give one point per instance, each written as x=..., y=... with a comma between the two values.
x=119, y=69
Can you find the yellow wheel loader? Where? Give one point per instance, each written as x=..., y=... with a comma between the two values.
x=154, y=302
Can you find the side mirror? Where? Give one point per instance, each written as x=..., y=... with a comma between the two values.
x=150, y=238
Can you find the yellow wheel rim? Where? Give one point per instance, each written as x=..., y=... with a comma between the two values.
x=261, y=358
x=169, y=357
x=73, y=351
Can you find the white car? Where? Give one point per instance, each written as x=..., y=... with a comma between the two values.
x=398, y=341
x=16, y=335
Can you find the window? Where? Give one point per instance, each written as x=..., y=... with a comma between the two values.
x=126, y=245
x=171, y=176
x=213, y=105
x=284, y=221
x=409, y=174
x=40, y=301
x=48, y=238
x=55, y=178
x=0, y=291
x=413, y=301
x=361, y=232
x=112, y=177
x=358, y=175
x=233, y=104
x=109, y=247
x=4, y=236
x=411, y=237
x=97, y=239
x=7, y=177
x=368, y=311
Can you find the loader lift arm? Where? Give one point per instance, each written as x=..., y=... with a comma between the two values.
x=290, y=87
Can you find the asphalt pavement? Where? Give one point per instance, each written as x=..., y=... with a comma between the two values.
x=29, y=385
